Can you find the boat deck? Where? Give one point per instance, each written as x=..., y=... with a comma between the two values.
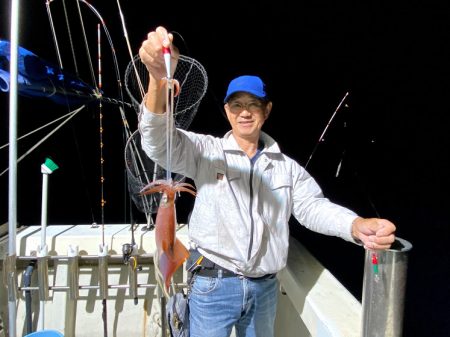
x=312, y=302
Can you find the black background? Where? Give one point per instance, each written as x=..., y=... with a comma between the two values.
x=392, y=135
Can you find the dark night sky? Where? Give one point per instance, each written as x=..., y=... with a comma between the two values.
x=393, y=137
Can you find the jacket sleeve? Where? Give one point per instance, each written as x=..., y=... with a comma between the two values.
x=318, y=213
x=152, y=128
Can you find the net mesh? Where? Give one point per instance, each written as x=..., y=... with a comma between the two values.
x=193, y=85
x=141, y=170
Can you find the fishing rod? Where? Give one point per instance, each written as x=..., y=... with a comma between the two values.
x=102, y=179
x=97, y=94
x=135, y=153
x=326, y=128
x=320, y=140
x=373, y=253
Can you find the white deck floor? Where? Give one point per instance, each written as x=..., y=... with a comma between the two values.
x=312, y=302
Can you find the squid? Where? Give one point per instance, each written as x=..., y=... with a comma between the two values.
x=171, y=251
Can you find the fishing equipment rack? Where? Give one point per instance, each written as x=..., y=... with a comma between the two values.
x=82, y=276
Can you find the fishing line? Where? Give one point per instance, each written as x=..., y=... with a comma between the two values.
x=70, y=116
x=169, y=113
x=120, y=102
x=99, y=87
x=40, y=128
x=61, y=67
x=134, y=162
x=135, y=153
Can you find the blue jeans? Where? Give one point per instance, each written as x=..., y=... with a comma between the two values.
x=216, y=304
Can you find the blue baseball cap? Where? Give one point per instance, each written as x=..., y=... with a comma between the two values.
x=247, y=83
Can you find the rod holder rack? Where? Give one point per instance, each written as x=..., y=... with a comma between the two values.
x=73, y=273
x=132, y=278
x=103, y=271
x=10, y=276
x=42, y=272
x=75, y=262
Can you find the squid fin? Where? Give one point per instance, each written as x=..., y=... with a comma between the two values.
x=171, y=259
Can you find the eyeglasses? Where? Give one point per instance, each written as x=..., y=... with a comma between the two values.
x=255, y=106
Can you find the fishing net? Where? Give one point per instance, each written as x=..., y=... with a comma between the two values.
x=193, y=85
x=141, y=170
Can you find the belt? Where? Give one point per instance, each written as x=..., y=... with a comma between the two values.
x=215, y=272
x=205, y=267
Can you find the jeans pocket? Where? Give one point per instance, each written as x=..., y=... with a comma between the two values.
x=204, y=285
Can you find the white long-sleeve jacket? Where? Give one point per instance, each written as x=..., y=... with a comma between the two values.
x=241, y=211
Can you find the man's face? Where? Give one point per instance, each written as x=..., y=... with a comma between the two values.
x=247, y=114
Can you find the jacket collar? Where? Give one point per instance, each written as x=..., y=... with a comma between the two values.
x=270, y=145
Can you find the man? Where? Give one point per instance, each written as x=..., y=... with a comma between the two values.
x=247, y=191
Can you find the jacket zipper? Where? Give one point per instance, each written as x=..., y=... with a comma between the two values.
x=252, y=225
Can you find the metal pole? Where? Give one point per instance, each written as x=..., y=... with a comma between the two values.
x=44, y=203
x=46, y=169
x=12, y=187
x=384, y=290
